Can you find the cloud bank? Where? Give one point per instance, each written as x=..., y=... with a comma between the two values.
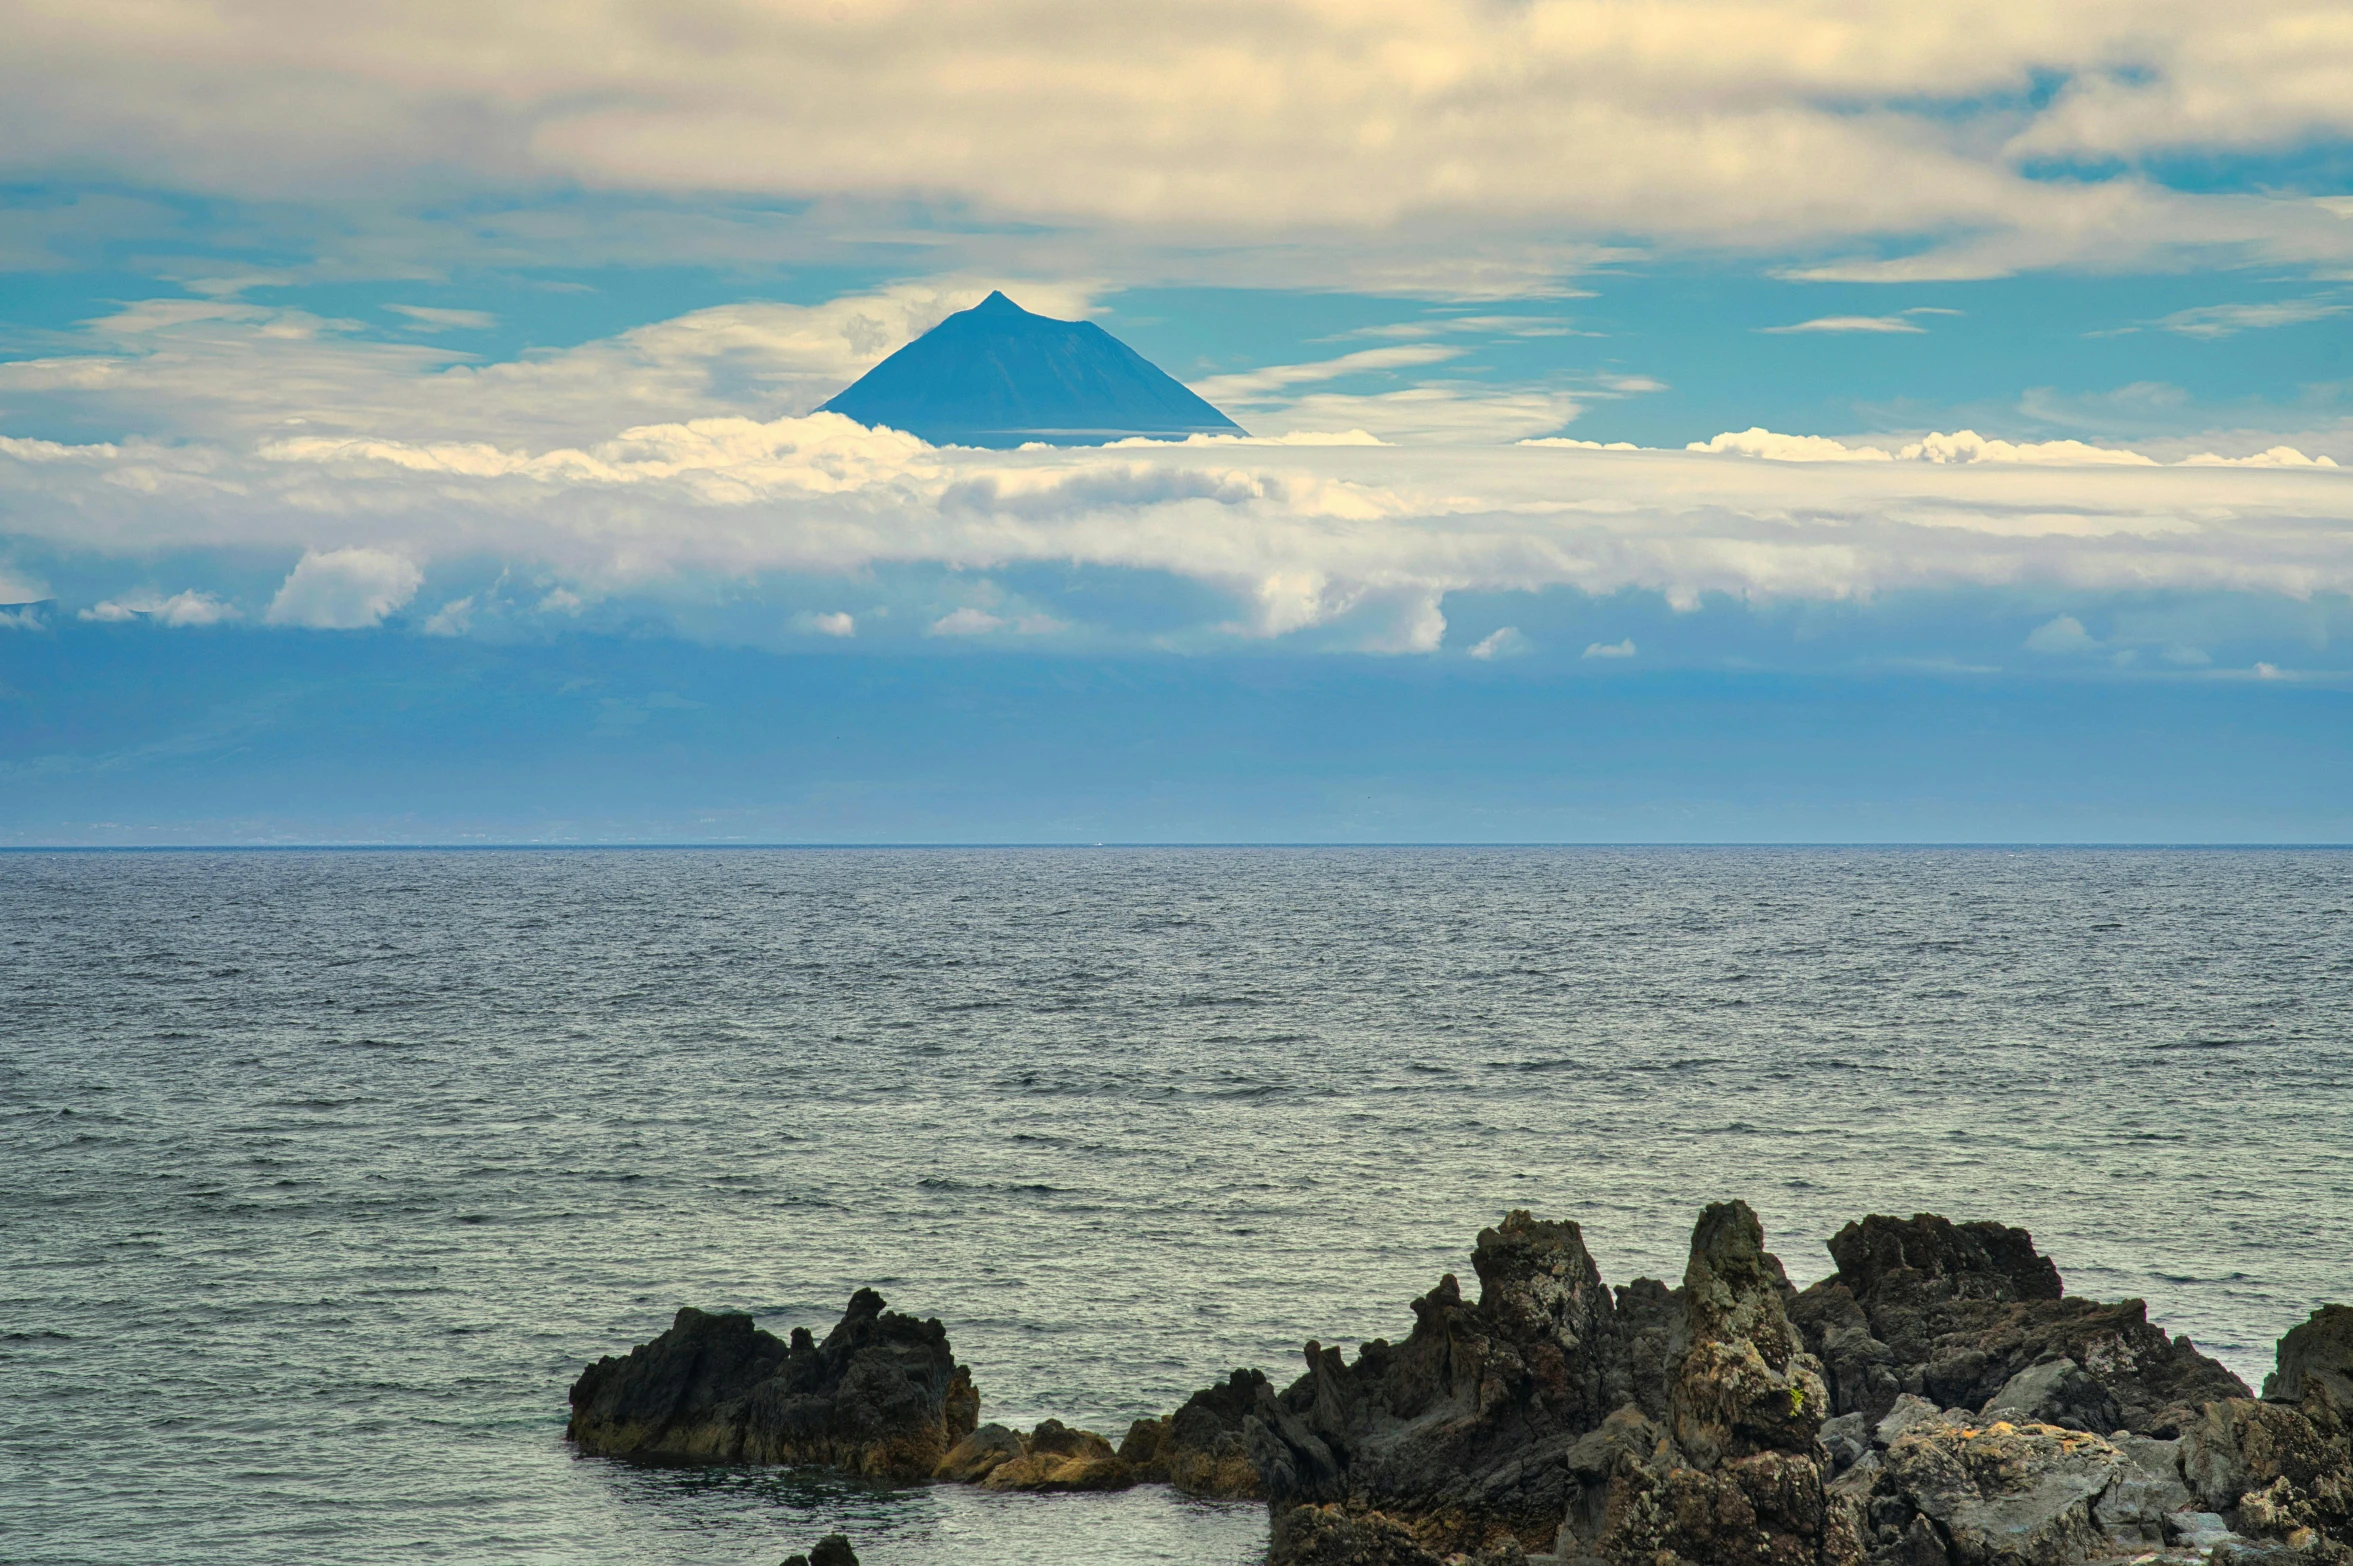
x=1791, y=122
x=1295, y=536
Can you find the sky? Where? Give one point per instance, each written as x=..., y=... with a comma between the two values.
x=1667, y=421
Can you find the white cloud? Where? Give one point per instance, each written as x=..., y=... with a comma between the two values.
x=344, y=589
x=834, y=624
x=1505, y=643
x=2276, y=457
x=1339, y=127
x=2267, y=671
x=1757, y=442
x=2062, y=636
x=454, y=618
x=181, y=609
x=1244, y=388
x=2223, y=320
x=1850, y=323
x=434, y=318
x=1960, y=447
x=1622, y=649
x=966, y=622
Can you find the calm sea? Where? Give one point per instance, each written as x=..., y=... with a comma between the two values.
x=322, y=1174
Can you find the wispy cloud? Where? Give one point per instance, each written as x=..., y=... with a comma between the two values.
x=1242, y=387
x=434, y=318
x=2223, y=320
x=1850, y=323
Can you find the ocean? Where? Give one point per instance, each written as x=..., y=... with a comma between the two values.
x=322, y=1174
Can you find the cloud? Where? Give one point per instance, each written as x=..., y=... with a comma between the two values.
x=2223, y=320
x=835, y=624
x=344, y=589
x=221, y=369
x=1291, y=124
x=1624, y=649
x=1244, y=387
x=433, y=318
x=181, y=609
x=2064, y=635
x=1505, y=643
x=2276, y=457
x=368, y=460
x=1960, y=447
x=1850, y=323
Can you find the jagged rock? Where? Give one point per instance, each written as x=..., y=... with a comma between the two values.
x=1335, y=1536
x=2056, y=1392
x=1650, y=1326
x=2316, y=1369
x=972, y=1459
x=1743, y=1477
x=1202, y=1449
x=1458, y=1433
x=833, y=1550
x=881, y=1396
x=1056, y=1457
x=1952, y=1312
x=2237, y=1445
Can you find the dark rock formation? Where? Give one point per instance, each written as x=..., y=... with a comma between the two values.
x=881, y=1396
x=1458, y=1434
x=832, y=1550
x=1953, y=1312
x=1203, y=1448
x=1969, y=1414
x=1740, y=1472
x=2316, y=1368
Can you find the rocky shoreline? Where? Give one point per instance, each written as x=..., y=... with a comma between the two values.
x=1939, y=1400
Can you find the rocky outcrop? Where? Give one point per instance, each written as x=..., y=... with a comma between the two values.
x=832, y=1550
x=1202, y=1449
x=1459, y=1434
x=1740, y=1472
x=2316, y=1369
x=882, y=1396
x=1939, y=1401
x=1956, y=1313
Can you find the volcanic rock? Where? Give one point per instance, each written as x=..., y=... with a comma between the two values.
x=972, y=1459
x=1056, y=1457
x=1953, y=1312
x=2316, y=1369
x=882, y=1396
x=1202, y=1449
x=1458, y=1434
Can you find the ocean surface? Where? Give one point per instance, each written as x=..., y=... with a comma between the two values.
x=323, y=1174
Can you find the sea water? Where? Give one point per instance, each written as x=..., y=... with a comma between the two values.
x=323, y=1174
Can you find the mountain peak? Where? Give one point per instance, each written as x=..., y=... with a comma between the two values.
x=999, y=375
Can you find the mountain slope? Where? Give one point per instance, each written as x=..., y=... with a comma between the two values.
x=996, y=375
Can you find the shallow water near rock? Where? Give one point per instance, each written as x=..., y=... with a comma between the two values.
x=323, y=1174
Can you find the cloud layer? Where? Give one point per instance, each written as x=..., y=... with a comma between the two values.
x=1814, y=122
x=1294, y=536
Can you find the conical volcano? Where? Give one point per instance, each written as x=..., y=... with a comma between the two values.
x=996, y=375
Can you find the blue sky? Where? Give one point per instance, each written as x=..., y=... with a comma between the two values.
x=1978, y=383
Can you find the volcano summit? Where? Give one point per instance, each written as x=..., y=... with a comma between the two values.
x=996, y=375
